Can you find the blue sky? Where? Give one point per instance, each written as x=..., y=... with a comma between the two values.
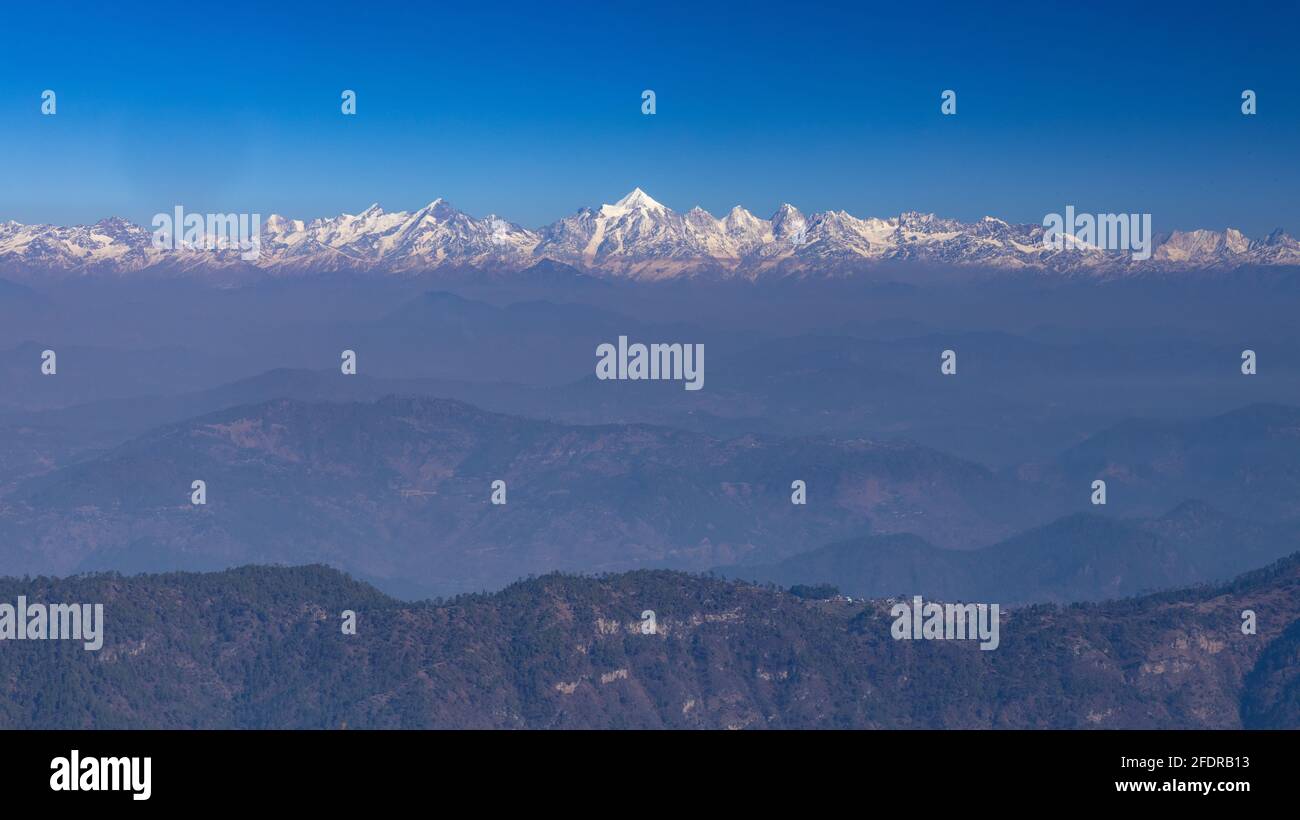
x=533, y=110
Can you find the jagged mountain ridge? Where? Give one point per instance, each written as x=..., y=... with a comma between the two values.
x=636, y=237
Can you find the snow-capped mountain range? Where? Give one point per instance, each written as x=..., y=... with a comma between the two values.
x=635, y=237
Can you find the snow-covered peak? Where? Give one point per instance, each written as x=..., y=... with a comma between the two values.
x=277, y=224
x=1236, y=241
x=637, y=200
x=789, y=225
x=438, y=208
x=702, y=218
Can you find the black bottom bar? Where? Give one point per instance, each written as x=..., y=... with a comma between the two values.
x=583, y=770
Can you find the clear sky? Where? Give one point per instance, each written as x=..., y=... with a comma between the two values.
x=533, y=110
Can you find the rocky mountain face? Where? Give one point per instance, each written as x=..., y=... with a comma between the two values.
x=636, y=237
x=263, y=647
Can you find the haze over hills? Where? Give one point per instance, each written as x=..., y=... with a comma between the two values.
x=710, y=488
x=636, y=237
x=1246, y=461
x=833, y=386
x=1081, y=557
x=398, y=490
x=1020, y=396
x=261, y=647
x=435, y=334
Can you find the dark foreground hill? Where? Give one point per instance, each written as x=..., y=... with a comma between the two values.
x=263, y=647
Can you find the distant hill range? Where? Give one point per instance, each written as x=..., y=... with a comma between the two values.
x=263, y=647
x=635, y=238
x=1246, y=461
x=398, y=490
x=1081, y=557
